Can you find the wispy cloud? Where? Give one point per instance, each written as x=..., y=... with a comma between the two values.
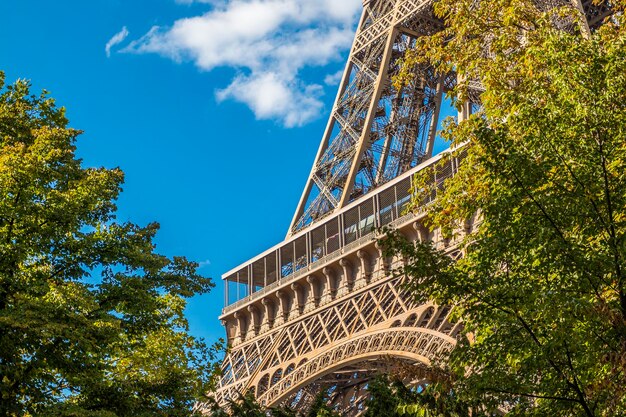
x=115, y=40
x=272, y=97
x=204, y=263
x=268, y=42
x=333, y=79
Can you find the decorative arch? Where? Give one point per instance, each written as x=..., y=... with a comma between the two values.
x=426, y=316
x=290, y=369
x=411, y=320
x=276, y=377
x=262, y=385
x=411, y=343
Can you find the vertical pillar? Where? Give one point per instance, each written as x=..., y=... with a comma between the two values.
x=268, y=320
x=314, y=295
x=238, y=287
x=346, y=265
x=265, y=272
x=298, y=293
x=342, y=238
x=279, y=269
x=422, y=232
x=283, y=299
x=255, y=319
x=434, y=121
x=250, y=280
x=330, y=291
x=366, y=273
x=385, y=264
x=463, y=113
x=584, y=25
x=241, y=325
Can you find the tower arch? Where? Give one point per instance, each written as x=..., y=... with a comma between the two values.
x=399, y=343
x=321, y=308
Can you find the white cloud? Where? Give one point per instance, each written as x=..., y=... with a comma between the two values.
x=333, y=79
x=271, y=97
x=269, y=42
x=115, y=40
x=204, y=263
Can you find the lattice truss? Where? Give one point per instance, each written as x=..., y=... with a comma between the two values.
x=335, y=347
x=377, y=132
x=595, y=13
x=332, y=329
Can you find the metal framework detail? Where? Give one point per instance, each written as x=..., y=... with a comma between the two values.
x=323, y=309
x=418, y=345
x=376, y=132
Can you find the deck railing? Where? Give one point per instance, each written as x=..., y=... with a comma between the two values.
x=347, y=229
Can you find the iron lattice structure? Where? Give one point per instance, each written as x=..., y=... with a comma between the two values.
x=322, y=310
x=376, y=132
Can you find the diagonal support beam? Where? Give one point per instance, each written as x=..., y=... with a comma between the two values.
x=365, y=134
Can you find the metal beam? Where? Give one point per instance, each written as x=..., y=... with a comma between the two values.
x=367, y=126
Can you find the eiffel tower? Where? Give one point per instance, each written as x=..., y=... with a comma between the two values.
x=322, y=310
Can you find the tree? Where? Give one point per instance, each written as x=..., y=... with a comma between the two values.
x=247, y=406
x=385, y=397
x=91, y=317
x=320, y=407
x=390, y=397
x=541, y=286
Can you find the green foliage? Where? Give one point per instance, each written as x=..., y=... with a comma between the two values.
x=435, y=400
x=542, y=284
x=541, y=287
x=91, y=318
x=246, y=406
x=385, y=396
x=320, y=407
x=391, y=398
x=388, y=397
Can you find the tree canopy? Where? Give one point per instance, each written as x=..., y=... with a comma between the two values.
x=91, y=317
x=541, y=285
x=247, y=406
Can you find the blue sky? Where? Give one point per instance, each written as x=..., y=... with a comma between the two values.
x=214, y=109
x=174, y=106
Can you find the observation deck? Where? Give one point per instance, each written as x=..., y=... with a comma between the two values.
x=324, y=310
x=278, y=285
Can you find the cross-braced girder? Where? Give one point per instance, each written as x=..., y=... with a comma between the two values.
x=329, y=329
x=324, y=309
x=376, y=131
